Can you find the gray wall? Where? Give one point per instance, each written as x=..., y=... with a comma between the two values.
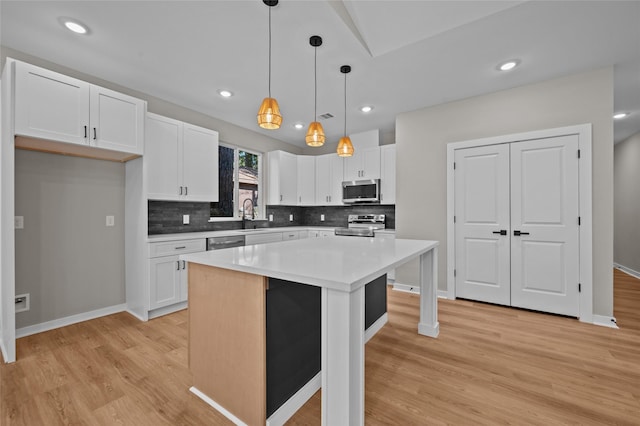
x=626, y=198
x=66, y=258
x=422, y=137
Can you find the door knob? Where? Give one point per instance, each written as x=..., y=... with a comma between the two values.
x=501, y=232
x=518, y=233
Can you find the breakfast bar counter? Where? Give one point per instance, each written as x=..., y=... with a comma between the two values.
x=324, y=282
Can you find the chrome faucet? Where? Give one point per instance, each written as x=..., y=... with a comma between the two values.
x=244, y=211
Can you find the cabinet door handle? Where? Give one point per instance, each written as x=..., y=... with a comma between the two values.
x=501, y=232
x=95, y=134
x=300, y=199
x=280, y=197
x=518, y=233
x=180, y=190
x=178, y=263
x=184, y=247
x=186, y=190
x=85, y=132
x=184, y=264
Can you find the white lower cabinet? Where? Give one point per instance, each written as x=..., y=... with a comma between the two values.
x=263, y=238
x=168, y=276
x=315, y=233
x=167, y=273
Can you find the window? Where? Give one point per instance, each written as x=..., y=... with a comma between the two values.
x=240, y=178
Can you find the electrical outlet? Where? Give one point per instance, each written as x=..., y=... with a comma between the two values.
x=22, y=303
x=185, y=219
x=270, y=218
x=111, y=221
x=19, y=222
x=290, y=218
x=321, y=218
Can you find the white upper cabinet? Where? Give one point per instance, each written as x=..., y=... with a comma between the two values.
x=181, y=160
x=388, y=174
x=199, y=163
x=283, y=178
x=363, y=164
x=116, y=121
x=52, y=106
x=306, y=180
x=329, y=171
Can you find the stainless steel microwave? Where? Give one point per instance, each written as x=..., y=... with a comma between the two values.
x=361, y=191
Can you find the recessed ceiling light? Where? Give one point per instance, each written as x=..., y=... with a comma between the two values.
x=74, y=25
x=620, y=115
x=225, y=93
x=366, y=108
x=508, y=65
x=299, y=126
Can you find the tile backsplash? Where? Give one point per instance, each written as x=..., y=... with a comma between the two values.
x=165, y=217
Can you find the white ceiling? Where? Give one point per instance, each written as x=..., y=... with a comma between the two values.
x=405, y=55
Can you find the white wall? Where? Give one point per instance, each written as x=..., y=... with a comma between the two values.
x=626, y=241
x=422, y=137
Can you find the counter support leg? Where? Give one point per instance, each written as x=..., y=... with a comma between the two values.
x=428, y=325
x=342, y=357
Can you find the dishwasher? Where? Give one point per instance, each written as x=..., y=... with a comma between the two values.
x=217, y=243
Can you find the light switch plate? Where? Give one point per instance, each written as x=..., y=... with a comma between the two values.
x=19, y=222
x=111, y=221
x=270, y=218
x=321, y=218
x=290, y=218
x=185, y=219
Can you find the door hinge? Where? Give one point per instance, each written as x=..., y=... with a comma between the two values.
x=454, y=165
x=454, y=219
x=578, y=153
x=579, y=220
x=579, y=288
x=454, y=272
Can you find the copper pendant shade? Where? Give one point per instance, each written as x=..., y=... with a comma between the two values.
x=345, y=147
x=315, y=134
x=269, y=116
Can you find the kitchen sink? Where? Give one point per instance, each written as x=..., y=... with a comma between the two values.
x=255, y=230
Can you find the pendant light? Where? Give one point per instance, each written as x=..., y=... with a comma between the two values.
x=315, y=134
x=269, y=116
x=345, y=147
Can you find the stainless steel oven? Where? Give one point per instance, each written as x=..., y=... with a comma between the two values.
x=362, y=225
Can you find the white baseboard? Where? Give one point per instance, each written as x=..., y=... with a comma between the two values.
x=605, y=321
x=72, y=319
x=218, y=407
x=442, y=294
x=167, y=310
x=294, y=403
x=626, y=270
x=406, y=288
x=135, y=314
x=375, y=327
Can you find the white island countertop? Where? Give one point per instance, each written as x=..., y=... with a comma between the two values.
x=341, y=263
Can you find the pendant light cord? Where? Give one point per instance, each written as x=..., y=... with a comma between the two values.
x=345, y=104
x=269, y=51
x=315, y=84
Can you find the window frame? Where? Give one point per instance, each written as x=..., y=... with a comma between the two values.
x=236, y=185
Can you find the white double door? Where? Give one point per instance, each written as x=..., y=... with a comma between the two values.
x=516, y=230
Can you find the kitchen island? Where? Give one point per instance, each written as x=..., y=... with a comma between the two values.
x=228, y=327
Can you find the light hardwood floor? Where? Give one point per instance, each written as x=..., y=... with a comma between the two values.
x=490, y=365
